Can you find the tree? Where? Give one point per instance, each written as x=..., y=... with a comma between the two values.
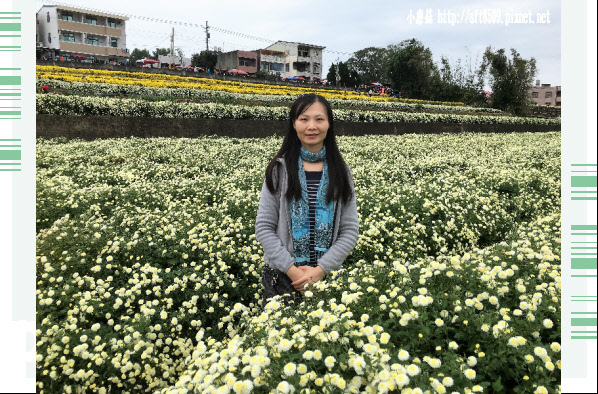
x=411, y=69
x=205, y=59
x=348, y=76
x=451, y=83
x=331, y=76
x=160, y=52
x=510, y=80
x=138, y=54
x=371, y=64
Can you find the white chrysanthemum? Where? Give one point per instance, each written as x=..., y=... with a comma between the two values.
x=541, y=390
x=402, y=379
x=384, y=338
x=289, y=369
x=329, y=361
x=413, y=370
x=283, y=387
x=469, y=373
x=540, y=352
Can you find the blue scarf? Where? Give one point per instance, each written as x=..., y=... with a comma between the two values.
x=300, y=211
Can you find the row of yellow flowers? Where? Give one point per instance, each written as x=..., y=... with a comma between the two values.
x=174, y=81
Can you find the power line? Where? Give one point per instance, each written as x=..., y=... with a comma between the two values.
x=193, y=25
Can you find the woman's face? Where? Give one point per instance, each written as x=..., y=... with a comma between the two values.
x=312, y=127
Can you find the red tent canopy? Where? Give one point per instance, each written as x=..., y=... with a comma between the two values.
x=79, y=56
x=148, y=60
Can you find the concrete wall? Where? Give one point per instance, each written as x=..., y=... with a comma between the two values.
x=93, y=127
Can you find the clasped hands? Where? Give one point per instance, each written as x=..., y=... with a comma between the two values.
x=304, y=275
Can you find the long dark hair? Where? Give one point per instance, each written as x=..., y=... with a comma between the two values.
x=339, y=187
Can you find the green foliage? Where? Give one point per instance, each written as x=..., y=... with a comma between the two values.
x=348, y=76
x=160, y=52
x=205, y=59
x=510, y=80
x=138, y=54
x=332, y=73
x=267, y=75
x=411, y=69
x=370, y=64
x=452, y=82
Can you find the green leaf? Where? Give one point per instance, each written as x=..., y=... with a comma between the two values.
x=497, y=385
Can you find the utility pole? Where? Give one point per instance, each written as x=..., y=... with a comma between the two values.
x=171, y=65
x=207, y=44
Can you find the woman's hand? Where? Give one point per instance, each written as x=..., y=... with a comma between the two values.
x=310, y=275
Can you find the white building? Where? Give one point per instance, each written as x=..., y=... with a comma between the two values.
x=300, y=60
x=80, y=34
x=178, y=61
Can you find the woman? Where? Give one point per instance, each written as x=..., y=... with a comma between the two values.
x=307, y=217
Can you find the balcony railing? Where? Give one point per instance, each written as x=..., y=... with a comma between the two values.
x=88, y=28
x=92, y=49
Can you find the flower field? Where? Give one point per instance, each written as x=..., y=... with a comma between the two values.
x=148, y=271
x=153, y=80
x=94, y=106
x=102, y=88
x=160, y=95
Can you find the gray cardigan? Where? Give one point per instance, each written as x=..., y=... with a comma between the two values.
x=273, y=226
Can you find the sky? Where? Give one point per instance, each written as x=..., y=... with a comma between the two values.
x=343, y=27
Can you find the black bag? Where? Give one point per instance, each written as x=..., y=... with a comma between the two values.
x=277, y=283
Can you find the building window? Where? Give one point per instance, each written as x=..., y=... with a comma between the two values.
x=247, y=62
x=92, y=40
x=68, y=37
x=316, y=69
x=547, y=103
x=303, y=52
x=67, y=16
x=49, y=38
x=111, y=23
x=114, y=42
x=558, y=93
x=286, y=67
x=48, y=17
x=548, y=95
x=534, y=94
x=92, y=20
